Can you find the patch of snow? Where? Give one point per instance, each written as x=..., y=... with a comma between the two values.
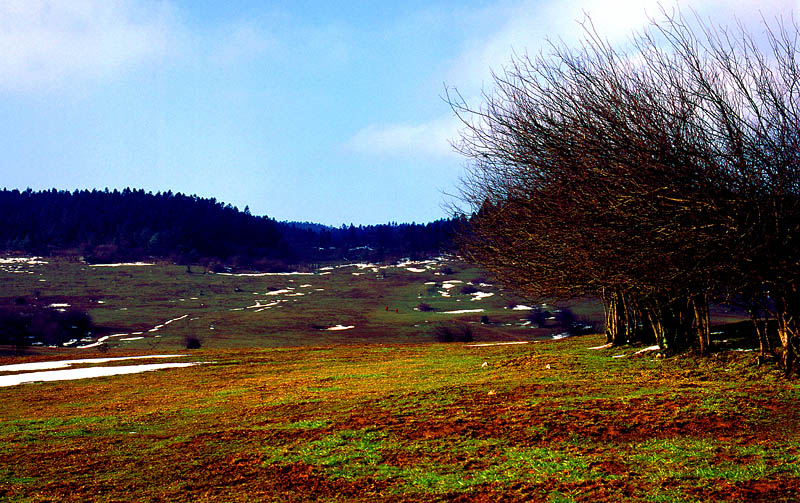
x=258, y=304
x=356, y=273
x=278, y=292
x=521, y=307
x=132, y=338
x=122, y=264
x=648, y=348
x=61, y=304
x=261, y=274
x=618, y=356
x=341, y=327
x=415, y=269
x=85, y=373
x=462, y=311
x=483, y=345
x=481, y=295
x=562, y=335
x=451, y=283
x=430, y=282
x=306, y=286
x=604, y=346
x=58, y=364
x=22, y=260
x=179, y=318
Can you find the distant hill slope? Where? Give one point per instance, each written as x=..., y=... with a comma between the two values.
x=113, y=225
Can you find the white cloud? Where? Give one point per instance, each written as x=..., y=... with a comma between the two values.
x=47, y=44
x=529, y=27
x=532, y=23
x=430, y=138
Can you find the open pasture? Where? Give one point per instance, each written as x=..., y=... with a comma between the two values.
x=548, y=421
x=275, y=406
x=156, y=306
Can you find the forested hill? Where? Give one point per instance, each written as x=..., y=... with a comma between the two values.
x=131, y=224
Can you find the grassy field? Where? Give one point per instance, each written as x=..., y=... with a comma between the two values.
x=279, y=409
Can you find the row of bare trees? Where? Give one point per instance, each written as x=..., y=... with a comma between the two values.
x=660, y=177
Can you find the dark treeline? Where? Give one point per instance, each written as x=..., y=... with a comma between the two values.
x=131, y=224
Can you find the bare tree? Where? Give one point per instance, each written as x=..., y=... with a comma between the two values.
x=657, y=178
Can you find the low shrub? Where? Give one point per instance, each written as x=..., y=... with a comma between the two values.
x=538, y=317
x=468, y=289
x=453, y=332
x=25, y=325
x=192, y=342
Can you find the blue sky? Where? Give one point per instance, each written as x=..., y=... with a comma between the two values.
x=325, y=111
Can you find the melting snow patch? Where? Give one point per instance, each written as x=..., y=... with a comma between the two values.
x=648, y=348
x=495, y=344
x=462, y=311
x=258, y=304
x=62, y=304
x=278, y=292
x=604, y=346
x=131, y=338
x=305, y=286
x=562, y=335
x=58, y=364
x=520, y=307
x=121, y=264
x=481, y=295
x=261, y=274
x=85, y=373
x=618, y=356
x=22, y=260
x=415, y=269
x=341, y=327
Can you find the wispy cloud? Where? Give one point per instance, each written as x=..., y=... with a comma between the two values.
x=46, y=44
x=530, y=26
x=431, y=139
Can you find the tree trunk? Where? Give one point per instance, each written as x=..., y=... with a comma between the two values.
x=788, y=331
x=619, y=317
x=703, y=322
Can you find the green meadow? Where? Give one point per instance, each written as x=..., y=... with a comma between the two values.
x=279, y=408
